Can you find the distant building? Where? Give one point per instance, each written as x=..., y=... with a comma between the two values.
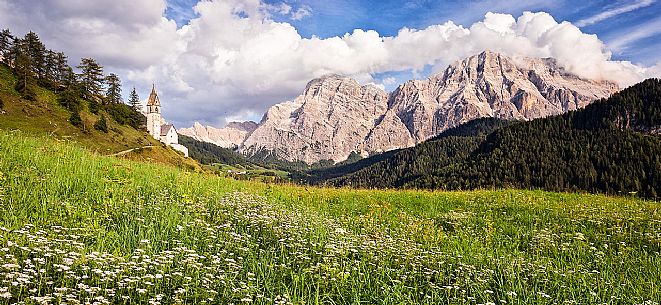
x=158, y=127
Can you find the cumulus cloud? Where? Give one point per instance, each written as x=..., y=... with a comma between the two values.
x=232, y=59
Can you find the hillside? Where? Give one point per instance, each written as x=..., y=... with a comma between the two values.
x=150, y=232
x=46, y=116
x=611, y=146
x=445, y=148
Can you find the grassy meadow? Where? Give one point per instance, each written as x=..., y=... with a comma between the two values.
x=80, y=228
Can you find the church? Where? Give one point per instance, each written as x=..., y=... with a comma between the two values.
x=158, y=127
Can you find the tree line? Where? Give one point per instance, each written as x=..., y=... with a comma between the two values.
x=35, y=66
x=612, y=146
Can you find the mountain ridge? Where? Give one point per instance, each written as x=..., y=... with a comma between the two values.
x=335, y=116
x=610, y=146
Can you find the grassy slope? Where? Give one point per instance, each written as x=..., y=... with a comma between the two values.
x=307, y=245
x=46, y=117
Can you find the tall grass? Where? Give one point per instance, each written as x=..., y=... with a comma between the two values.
x=80, y=228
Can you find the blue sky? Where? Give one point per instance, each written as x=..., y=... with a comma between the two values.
x=337, y=17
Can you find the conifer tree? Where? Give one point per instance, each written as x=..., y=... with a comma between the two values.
x=91, y=78
x=37, y=52
x=63, y=71
x=22, y=64
x=6, y=42
x=114, y=89
x=134, y=100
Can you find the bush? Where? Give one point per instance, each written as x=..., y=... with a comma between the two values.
x=27, y=91
x=75, y=119
x=101, y=124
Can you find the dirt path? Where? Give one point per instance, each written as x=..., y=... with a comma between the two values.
x=129, y=150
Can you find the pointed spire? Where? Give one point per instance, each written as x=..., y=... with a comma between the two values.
x=153, y=97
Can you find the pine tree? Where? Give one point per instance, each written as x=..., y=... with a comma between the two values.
x=91, y=78
x=50, y=72
x=134, y=100
x=37, y=53
x=6, y=42
x=63, y=71
x=114, y=91
x=22, y=64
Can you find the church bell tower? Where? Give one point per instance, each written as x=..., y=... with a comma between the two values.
x=154, y=114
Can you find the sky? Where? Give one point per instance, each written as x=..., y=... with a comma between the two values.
x=216, y=61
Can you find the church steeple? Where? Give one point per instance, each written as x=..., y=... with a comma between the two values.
x=153, y=104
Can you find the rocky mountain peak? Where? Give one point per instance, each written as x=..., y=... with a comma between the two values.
x=335, y=115
x=231, y=136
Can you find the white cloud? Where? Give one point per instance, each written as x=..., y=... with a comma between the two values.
x=642, y=31
x=233, y=60
x=614, y=12
x=301, y=12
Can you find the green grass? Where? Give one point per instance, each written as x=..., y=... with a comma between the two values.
x=76, y=227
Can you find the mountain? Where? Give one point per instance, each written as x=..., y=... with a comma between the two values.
x=491, y=85
x=335, y=116
x=231, y=136
x=328, y=121
x=611, y=146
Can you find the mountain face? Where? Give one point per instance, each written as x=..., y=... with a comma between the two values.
x=332, y=118
x=336, y=116
x=231, y=136
x=491, y=85
x=610, y=146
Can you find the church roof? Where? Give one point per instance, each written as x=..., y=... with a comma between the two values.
x=166, y=128
x=153, y=98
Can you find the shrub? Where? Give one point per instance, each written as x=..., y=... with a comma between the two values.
x=75, y=119
x=101, y=124
x=27, y=91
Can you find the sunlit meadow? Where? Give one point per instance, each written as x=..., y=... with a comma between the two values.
x=76, y=228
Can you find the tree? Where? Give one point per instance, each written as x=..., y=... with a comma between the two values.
x=134, y=100
x=37, y=52
x=22, y=65
x=91, y=78
x=6, y=42
x=50, y=72
x=114, y=90
x=101, y=124
x=63, y=71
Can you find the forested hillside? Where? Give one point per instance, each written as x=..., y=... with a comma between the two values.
x=41, y=94
x=443, y=149
x=208, y=153
x=611, y=146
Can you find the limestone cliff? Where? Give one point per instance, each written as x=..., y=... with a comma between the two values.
x=336, y=116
